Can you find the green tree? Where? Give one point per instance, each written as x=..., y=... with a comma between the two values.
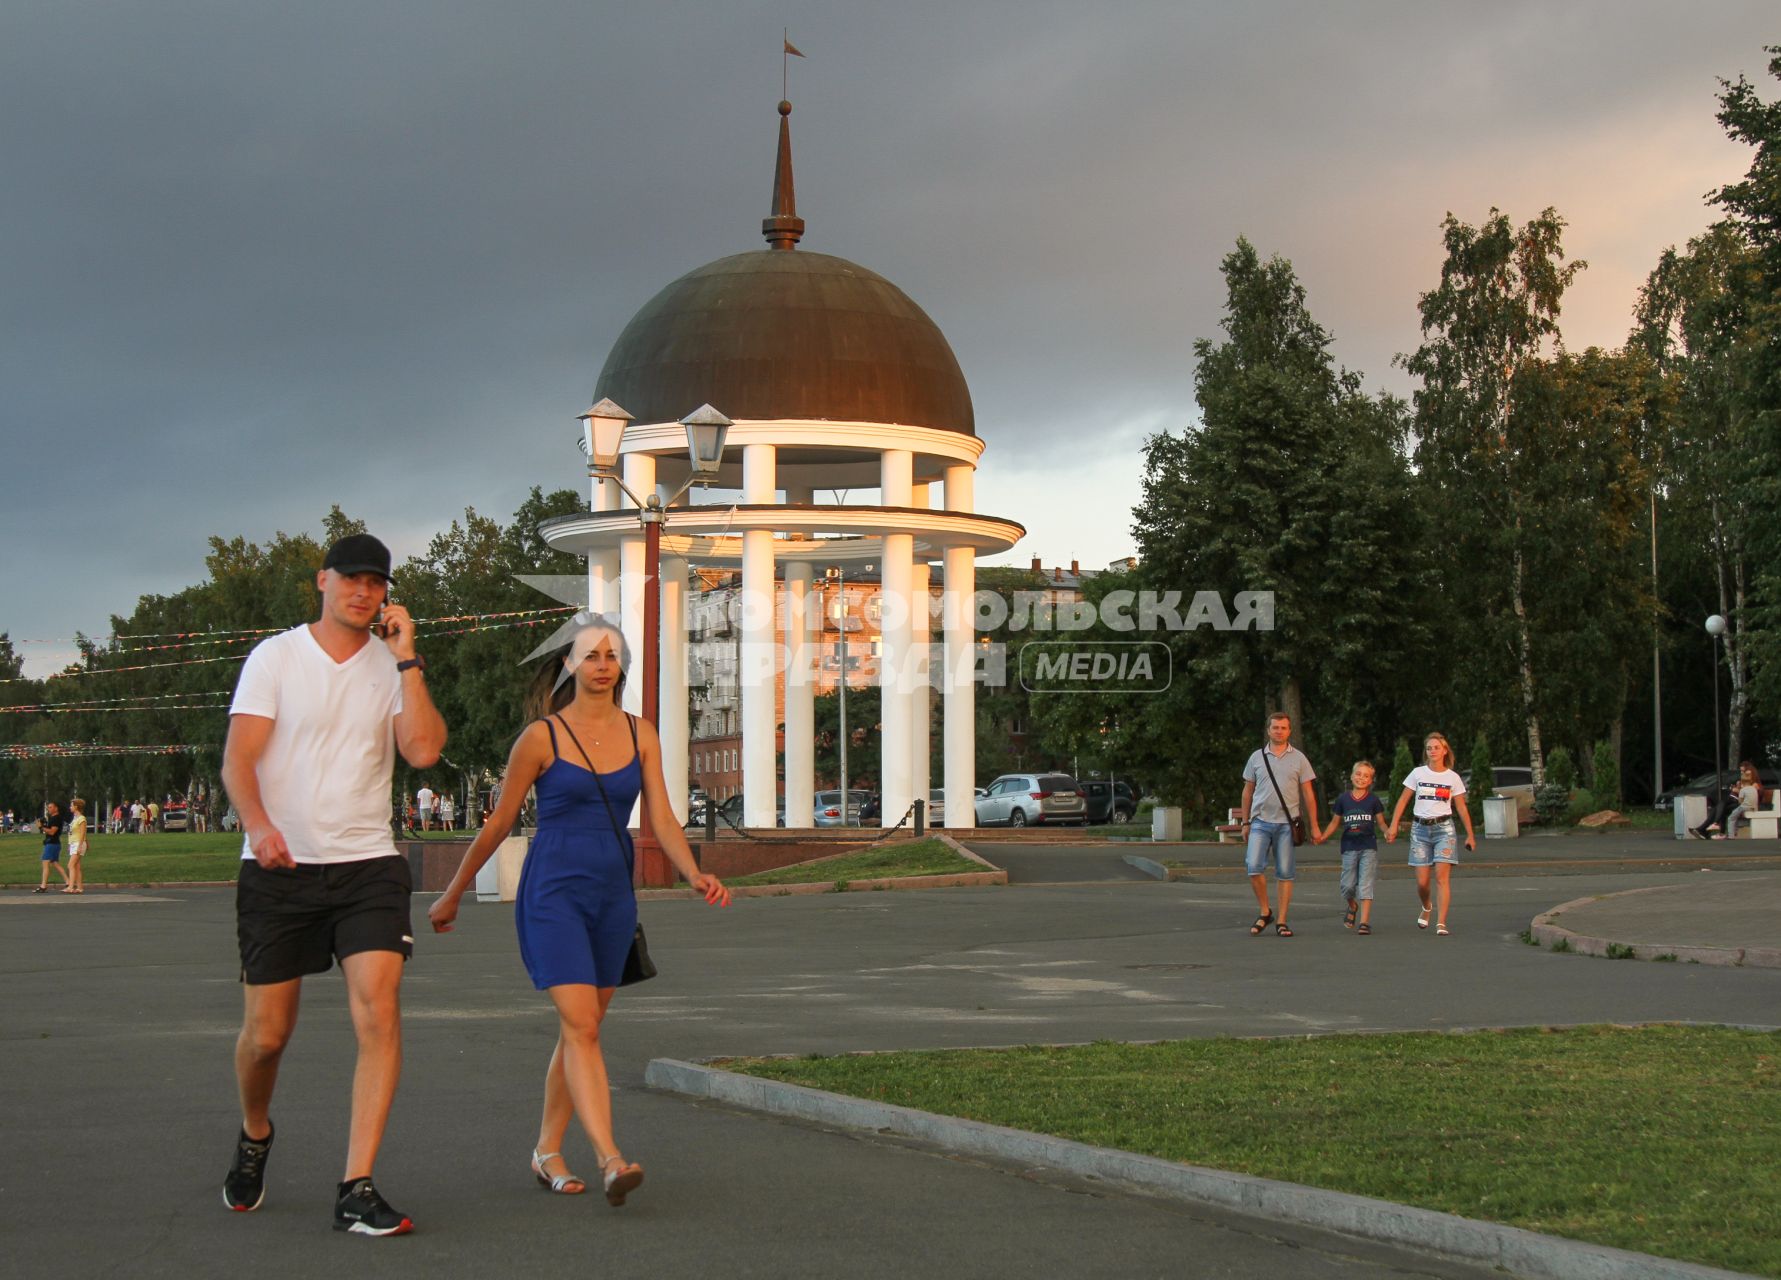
x=1693, y=319
x=1753, y=205
x=1494, y=313
x=1294, y=483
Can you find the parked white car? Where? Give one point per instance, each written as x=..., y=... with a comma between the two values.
x=1031, y=799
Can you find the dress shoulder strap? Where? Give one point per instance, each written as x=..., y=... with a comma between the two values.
x=631, y=721
x=551, y=728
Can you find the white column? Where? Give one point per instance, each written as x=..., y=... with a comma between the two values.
x=602, y=566
x=759, y=645
x=921, y=638
x=895, y=774
x=640, y=475
x=958, y=690
x=674, y=728
x=800, y=697
x=920, y=694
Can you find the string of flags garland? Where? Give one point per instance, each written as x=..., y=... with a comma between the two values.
x=76, y=750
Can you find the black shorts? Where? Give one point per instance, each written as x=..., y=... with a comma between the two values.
x=294, y=921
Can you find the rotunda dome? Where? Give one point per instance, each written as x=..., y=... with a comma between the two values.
x=780, y=334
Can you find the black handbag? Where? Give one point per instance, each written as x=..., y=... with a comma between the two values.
x=638, y=966
x=1298, y=823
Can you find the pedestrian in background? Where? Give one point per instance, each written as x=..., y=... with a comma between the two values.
x=51, y=831
x=77, y=846
x=1438, y=791
x=1276, y=794
x=1359, y=813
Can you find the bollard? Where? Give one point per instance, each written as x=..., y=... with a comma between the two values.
x=921, y=813
x=710, y=819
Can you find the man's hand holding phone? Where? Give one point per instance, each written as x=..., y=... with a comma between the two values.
x=397, y=630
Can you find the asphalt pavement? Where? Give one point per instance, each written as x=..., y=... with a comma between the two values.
x=121, y=1008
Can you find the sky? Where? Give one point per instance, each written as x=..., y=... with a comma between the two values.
x=260, y=258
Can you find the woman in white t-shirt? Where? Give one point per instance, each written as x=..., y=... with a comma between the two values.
x=1438, y=791
x=77, y=847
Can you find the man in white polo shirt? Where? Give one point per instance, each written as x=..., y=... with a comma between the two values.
x=319, y=714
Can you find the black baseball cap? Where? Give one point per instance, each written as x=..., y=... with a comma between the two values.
x=359, y=553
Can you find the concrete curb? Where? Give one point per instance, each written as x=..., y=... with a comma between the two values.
x=1520, y=1252
x=1548, y=932
x=1149, y=866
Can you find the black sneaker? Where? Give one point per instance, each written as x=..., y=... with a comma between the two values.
x=245, y=1186
x=362, y=1210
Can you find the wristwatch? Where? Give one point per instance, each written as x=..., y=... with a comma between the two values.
x=417, y=662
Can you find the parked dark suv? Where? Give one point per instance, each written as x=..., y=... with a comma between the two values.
x=1110, y=801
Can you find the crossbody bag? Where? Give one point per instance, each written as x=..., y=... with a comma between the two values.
x=638, y=966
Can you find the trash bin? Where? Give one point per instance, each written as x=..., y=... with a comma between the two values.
x=1690, y=812
x=1502, y=818
x=1165, y=823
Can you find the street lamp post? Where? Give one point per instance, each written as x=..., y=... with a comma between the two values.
x=603, y=430
x=1716, y=629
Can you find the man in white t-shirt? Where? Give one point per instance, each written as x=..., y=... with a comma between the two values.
x=423, y=801
x=319, y=714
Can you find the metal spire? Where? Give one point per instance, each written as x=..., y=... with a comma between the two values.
x=785, y=228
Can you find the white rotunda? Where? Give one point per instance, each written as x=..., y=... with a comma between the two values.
x=832, y=378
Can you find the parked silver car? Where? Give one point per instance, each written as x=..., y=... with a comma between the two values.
x=1031, y=799
x=828, y=809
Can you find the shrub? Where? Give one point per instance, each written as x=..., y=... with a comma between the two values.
x=1583, y=803
x=1561, y=770
x=1551, y=803
x=1401, y=764
x=1483, y=783
x=1607, y=776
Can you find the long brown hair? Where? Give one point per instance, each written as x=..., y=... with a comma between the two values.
x=1446, y=748
x=552, y=688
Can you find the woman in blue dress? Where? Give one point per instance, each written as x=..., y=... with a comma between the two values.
x=576, y=912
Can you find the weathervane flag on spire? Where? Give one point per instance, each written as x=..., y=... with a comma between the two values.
x=789, y=48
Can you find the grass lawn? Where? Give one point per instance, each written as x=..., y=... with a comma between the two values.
x=894, y=858
x=1658, y=1139
x=127, y=859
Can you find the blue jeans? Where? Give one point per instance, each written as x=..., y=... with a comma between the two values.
x=1432, y=842
x=1360, y=868
x=1269, y=840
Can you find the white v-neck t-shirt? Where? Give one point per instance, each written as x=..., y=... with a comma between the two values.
x=326, y=772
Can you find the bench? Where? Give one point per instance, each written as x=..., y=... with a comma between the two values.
x=1765, y=823
x=1231, y=825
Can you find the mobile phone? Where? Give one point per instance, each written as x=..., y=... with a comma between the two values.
x=378, y=627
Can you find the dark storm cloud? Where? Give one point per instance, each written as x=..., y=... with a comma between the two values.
x=264, y=258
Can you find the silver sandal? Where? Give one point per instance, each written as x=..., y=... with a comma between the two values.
x=620, y=1181
x=559, y=1183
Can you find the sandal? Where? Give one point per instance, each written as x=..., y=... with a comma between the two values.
x=1364, y=927
x=1348, y=917
x=564, y=1184
x=1283, y=929
x=1261, y=923
x=1422, y=919
x=1441, y=931
x=619, y=1182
